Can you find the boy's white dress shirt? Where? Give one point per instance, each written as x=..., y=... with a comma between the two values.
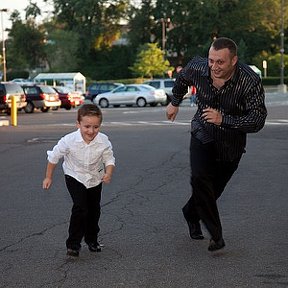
x=84, y=162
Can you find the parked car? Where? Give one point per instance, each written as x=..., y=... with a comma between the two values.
x=7, y=90
x=166, y=84
x=41, y=97
x=97, y=88
x=68, y=97
x=132, y=94
x=22, y=81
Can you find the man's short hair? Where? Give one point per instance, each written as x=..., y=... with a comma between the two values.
x=223, y=42
x=89, y=110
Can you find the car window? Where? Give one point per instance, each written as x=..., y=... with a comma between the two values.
x=131, y=89
x=155, y=84
x=147, y=87
x=119, y=89
x=169, y=83
x=30, y=90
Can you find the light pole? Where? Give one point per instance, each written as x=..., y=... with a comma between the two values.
x=3, y=44
x=164, y=22
x=282, y=86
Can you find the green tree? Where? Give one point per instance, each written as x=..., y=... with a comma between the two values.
x=25, y=45
x=141, y=22
x=150, y=62
x=60, y=56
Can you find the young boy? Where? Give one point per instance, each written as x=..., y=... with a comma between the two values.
x=88, y=162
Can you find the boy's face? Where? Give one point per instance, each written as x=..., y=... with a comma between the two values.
x=89, y=127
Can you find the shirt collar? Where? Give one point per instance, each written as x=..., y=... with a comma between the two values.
x=78, y=138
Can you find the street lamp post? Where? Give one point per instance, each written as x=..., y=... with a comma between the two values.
x=3, y=44
x=164, y=22
x=282, y=86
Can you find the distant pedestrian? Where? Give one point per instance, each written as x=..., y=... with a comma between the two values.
x=230, y=100
x=193, y=92
x=88, y=162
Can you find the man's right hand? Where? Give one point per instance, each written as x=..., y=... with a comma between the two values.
x=171, y=112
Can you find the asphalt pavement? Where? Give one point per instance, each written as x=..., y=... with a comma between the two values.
x=145, y=237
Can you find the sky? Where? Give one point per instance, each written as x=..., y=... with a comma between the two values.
x=20, y=5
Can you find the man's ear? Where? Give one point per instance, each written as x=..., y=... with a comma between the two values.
x=234, y=60
x=77, y=124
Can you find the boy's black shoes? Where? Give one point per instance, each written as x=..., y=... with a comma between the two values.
x=95, y=247
x=216, y=245
x=73, y=253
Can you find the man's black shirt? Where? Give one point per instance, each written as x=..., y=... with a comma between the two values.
x=241, y=102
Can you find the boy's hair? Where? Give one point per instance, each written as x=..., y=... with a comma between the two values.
x=223, y=42
x=89, y=110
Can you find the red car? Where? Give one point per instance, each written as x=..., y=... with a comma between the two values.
x=68, y=97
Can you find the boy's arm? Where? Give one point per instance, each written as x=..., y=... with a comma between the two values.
x=108, y=174
x=49, y=175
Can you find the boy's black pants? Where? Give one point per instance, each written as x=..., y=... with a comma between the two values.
x=85, y=213
x=209, y=177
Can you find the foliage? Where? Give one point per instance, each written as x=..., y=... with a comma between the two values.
x=60, y=56
x=81, y=35
x=26, y=47
x=150, y=62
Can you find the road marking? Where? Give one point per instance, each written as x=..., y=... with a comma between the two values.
x=277, y=122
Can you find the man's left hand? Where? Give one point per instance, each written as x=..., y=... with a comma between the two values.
x=212, y=116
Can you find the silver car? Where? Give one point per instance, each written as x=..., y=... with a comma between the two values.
x=132, y=94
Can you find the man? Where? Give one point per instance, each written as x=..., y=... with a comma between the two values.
x=230, y=99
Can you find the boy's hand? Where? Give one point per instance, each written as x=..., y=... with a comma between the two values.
x=47, y=183
x=106, y=178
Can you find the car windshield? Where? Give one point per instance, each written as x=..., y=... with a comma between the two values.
x=13, y=88
x=147, y=87
x=47, y=89
x=63, y=89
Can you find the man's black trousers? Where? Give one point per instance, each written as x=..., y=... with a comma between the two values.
x=209, y=176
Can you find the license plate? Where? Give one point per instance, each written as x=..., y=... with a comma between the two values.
x=52, y=98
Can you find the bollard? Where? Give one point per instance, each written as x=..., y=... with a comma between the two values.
x=13, y=111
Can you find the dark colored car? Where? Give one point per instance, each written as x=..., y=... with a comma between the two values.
x=40, y=97
x=97, y=88
x=7, y=90
x=69, y=98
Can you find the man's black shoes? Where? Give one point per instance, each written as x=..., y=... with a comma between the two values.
x=195, y=231
x=216, y=245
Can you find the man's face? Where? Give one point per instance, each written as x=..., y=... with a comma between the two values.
x=221, y=63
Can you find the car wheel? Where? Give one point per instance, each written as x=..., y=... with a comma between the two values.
x=116, y=106
x=45, y=109
x=153, y=104
x=68, y=107
x=29, y=108
x=141, y=102
x=104, y=103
